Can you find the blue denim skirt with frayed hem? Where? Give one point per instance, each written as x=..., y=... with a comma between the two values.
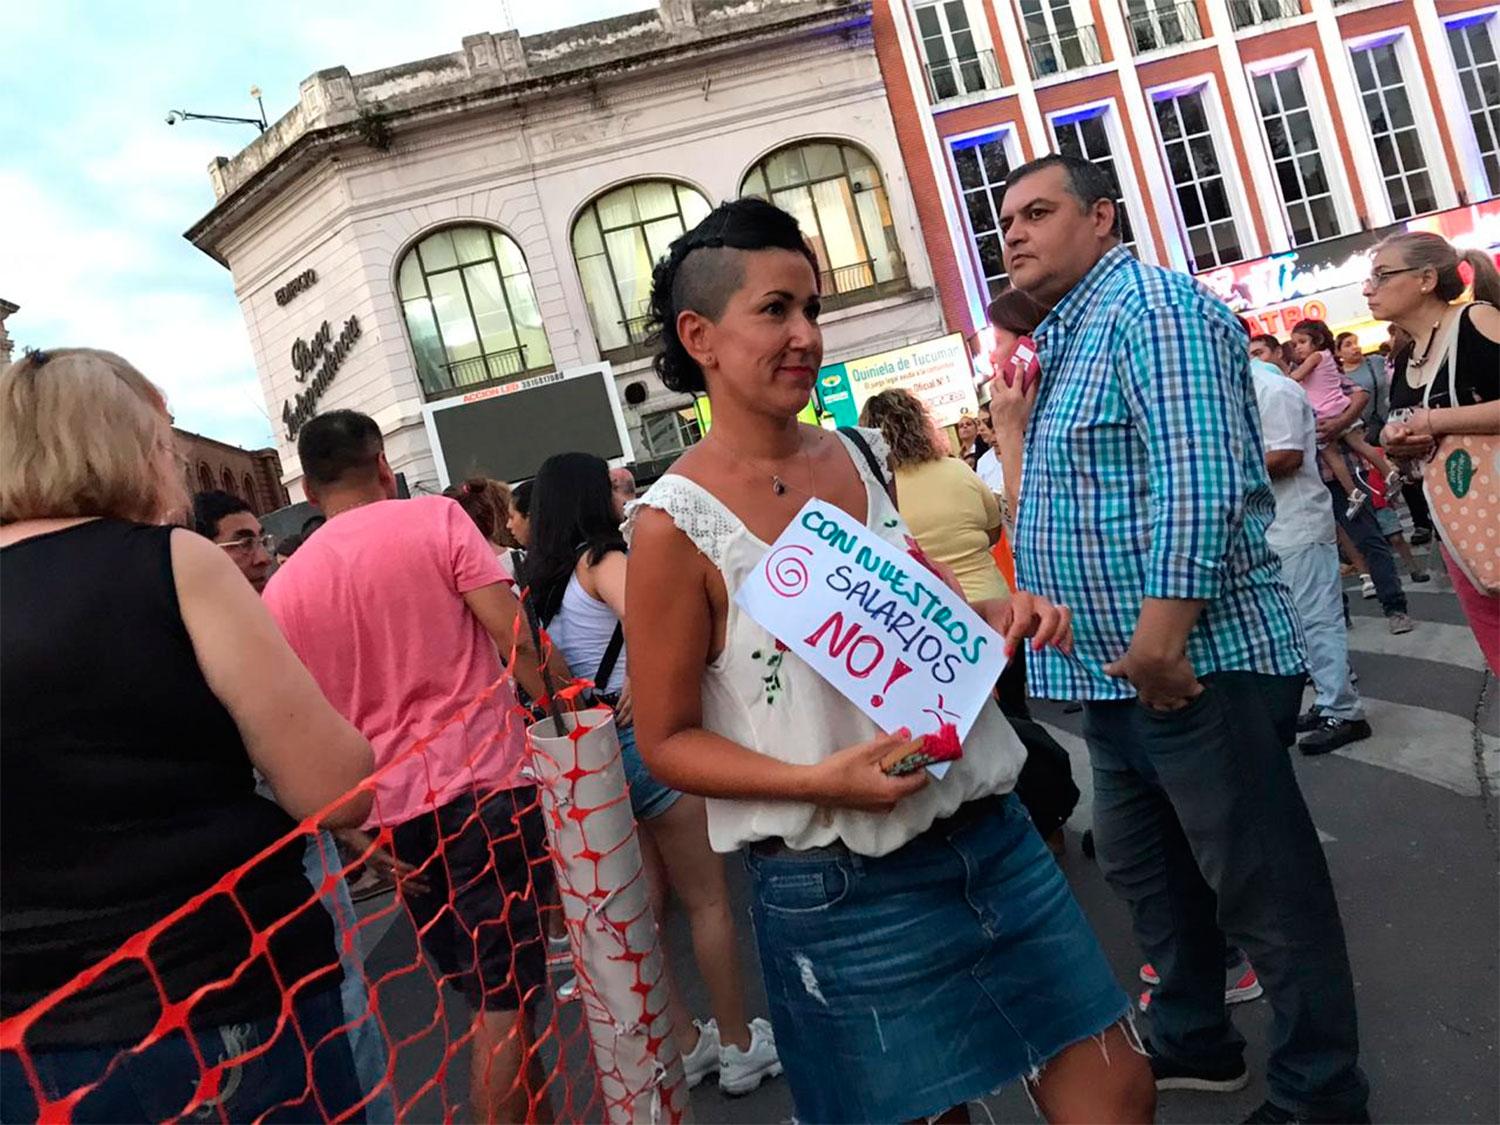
x=903, y=985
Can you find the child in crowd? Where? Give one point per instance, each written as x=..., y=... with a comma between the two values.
x=1390, y=527
x=1318, y=371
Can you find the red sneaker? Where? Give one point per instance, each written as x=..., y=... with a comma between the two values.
x=1240, y=984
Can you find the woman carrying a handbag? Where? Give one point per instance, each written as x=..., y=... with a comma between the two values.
x=1444, y=424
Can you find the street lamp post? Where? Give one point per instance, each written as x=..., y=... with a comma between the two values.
x=176, y=115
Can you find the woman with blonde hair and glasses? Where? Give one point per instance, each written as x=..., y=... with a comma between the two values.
x=143, y=684
x=1445, y=381
x=951, y=512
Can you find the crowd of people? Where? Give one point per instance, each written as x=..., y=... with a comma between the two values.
x=1152, y=517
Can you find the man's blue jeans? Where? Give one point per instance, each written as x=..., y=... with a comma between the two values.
x=1312, y=574
x=1364, y=530
x=366, y=1039
x=1201, y=828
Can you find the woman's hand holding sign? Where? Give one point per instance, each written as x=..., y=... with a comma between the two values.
x=854, y=778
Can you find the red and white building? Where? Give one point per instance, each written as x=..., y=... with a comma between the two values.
x=1240, y=132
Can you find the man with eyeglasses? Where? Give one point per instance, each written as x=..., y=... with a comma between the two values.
x=230, y=523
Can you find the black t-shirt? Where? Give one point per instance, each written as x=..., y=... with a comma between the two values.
x=127, y=791
x=1477, y=375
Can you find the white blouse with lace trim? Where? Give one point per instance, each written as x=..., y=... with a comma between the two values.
x=766, y=698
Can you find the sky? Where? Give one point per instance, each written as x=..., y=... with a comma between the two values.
x=96, y=189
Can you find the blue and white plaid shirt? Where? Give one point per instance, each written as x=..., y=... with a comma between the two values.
x=1144, y=477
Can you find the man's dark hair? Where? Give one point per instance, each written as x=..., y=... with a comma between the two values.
x=210, y=507
x=1268, y=340
x=287, y=546
x=339, y=444
x=1087, y=182
x=702, y=270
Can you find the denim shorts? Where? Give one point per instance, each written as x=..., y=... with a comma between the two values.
x=649, y=798
x=903, y=985
x=158, y=1082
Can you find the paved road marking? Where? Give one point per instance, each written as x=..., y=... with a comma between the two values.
x=1432, y=746
x=1445, y=644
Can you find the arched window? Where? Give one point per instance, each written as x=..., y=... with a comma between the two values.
x=226, y=481
x=471, y=310
x=616, y=240
x=838, y=198
x=249, y=493
x=205, y=477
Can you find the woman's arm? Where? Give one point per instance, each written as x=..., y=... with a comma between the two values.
x=605, y=581
x=1479, y=418
x=1008, y=446
x=306, y=750
x=669, y=634
x=1010, y=410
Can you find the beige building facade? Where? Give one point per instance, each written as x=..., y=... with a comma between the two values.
x=481, y=217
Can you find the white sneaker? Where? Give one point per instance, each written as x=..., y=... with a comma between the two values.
x=703, y=1059
x=1366, y=586
x=740, y=1072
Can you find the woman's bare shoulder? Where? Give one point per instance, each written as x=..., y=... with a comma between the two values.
x=1486, y=318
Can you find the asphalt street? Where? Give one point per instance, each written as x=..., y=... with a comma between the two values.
x=1409, y=824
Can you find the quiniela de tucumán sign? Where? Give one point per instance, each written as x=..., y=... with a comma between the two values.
x=324, y=355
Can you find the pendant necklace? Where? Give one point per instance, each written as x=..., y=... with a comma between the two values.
x=779, y=485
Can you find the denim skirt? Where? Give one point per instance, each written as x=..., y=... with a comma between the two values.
x=903, y=985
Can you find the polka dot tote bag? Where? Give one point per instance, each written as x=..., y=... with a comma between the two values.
x=1462, y=483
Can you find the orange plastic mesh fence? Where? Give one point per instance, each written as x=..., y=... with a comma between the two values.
x=459, y=931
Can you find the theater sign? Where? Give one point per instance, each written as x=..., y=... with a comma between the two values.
x=1323, y=281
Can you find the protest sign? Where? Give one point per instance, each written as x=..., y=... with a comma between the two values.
x=875, y=623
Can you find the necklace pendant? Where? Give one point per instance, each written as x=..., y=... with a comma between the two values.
x=778, y=486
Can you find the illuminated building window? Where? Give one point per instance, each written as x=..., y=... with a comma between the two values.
x=836, y=193
x=1393, y=128
x=471, y=311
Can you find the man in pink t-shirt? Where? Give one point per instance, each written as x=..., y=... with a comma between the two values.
x=402, y=614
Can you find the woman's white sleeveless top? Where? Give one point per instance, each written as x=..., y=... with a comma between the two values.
x=766, y=698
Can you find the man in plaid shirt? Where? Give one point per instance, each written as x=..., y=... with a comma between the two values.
x=1144, y=506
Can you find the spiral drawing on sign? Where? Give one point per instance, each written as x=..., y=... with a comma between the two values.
x=786, y=572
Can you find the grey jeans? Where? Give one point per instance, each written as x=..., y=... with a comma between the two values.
x=1202, y=829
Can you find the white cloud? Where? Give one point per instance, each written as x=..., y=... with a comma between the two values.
x=96, y=190
x=84, y=282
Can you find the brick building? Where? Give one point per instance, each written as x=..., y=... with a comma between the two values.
x=1260, y=144
x=254, y=475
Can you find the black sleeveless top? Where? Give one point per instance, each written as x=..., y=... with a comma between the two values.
x=1477, y=376
x=127, y=790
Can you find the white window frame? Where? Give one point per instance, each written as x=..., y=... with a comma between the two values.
x=1010, y=140
x=1304, y=63
x=1421, y=108
x=979, y=28
x=1154, y=10
x=1083, y=16
x=1125, y=171
x=1460, y=125
x=1218, y=125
